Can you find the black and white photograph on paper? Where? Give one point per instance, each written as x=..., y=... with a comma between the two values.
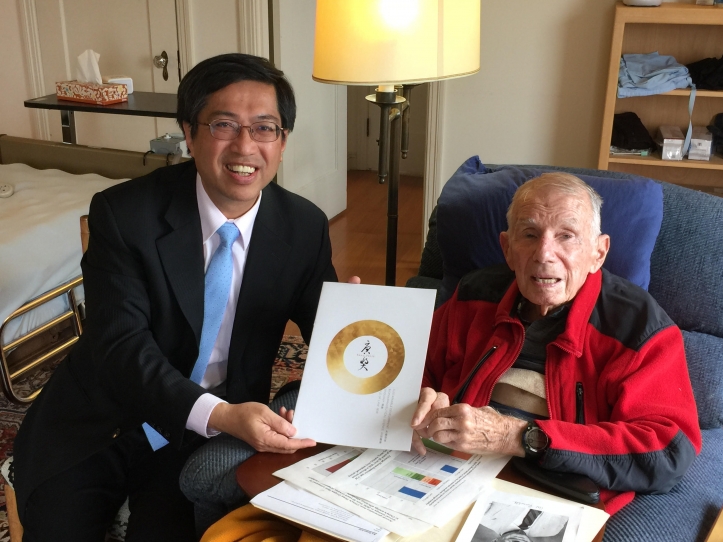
x=517, y=523
x=506, y=517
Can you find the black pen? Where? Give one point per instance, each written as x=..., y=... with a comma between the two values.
x=458, y=396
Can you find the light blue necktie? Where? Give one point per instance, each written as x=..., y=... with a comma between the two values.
x=215, y=298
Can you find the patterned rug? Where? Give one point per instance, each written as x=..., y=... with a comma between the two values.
x=289, y=365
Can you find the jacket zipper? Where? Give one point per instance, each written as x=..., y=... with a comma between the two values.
x=463, y=389
x=580, y=409
x=517, y=354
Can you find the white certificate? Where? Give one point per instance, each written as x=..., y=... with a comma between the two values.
x=364, y=367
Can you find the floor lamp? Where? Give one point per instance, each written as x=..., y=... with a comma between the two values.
x=395, y=44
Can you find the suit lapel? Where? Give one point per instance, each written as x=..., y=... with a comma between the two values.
x=181, y=251
x=268, y=253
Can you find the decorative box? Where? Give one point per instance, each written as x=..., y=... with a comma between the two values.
x=91, y=93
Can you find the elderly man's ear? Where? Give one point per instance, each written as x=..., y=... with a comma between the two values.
x=601, y=251
x=505, y=244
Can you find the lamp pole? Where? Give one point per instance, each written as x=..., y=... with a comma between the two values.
x=393, y=145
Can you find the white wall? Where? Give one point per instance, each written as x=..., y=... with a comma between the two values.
x=14, y=88
x=539, y=95
x=314, y=164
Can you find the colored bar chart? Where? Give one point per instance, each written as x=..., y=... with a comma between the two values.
x=336, y=467
x=412, y=492
x=418, y=477
x=335, y=462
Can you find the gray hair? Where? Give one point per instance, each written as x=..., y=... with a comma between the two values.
x=562, y=182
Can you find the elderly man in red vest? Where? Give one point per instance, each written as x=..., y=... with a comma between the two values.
x=559, y=361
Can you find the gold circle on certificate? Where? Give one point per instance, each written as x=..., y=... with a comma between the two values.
x=364, y=386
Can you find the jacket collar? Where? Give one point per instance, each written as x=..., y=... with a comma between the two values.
x=573, y=338
x=181, y=250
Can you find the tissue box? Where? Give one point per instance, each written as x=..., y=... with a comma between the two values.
x=91, y=93
x=701, y=143
x=167, y=144
x=670, y=139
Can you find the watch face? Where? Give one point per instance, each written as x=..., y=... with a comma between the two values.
x=536, y=439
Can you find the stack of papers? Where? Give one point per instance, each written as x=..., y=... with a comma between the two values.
x=401, y=492
x=305, y=508
x=431, y=488
x=371, y=495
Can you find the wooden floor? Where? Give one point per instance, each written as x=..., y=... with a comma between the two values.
x=359, y=234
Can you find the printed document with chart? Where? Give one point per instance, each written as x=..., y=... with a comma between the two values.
x=311, y=474
x=364, y=369
x=432, y=487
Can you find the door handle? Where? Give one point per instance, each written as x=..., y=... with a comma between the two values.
x=161, y=61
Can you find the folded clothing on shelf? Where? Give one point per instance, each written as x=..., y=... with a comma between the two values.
x=648, y=74
x=630, y=133
x=707, y=74
x=716, y=128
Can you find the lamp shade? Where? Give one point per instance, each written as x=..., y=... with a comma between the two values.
x=363, y=42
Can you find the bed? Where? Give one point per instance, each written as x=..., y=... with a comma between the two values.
x=41, y=296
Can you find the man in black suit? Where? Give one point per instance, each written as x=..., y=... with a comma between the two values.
x=84, y=445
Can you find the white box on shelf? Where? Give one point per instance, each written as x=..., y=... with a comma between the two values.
x=700, y=144
x=120, y=80
x=670, y=139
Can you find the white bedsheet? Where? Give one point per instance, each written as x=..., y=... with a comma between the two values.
x=40, y=238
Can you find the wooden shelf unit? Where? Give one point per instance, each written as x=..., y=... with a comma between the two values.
x=688, y=32
x=715, y=162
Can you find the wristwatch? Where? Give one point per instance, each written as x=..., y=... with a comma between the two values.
x=534, y=441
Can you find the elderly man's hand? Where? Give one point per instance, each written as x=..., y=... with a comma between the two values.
x=473, y=430
x=429, y=401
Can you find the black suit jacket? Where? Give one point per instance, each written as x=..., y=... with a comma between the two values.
x=144, y=286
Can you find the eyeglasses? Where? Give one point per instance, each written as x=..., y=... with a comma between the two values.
x=263, y=132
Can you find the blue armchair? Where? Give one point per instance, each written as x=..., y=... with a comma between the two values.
x=686, y=278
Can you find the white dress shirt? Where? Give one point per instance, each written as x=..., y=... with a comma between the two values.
x=211, y=220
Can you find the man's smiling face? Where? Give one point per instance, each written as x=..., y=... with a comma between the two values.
x=234, y=171
x=551, y=247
